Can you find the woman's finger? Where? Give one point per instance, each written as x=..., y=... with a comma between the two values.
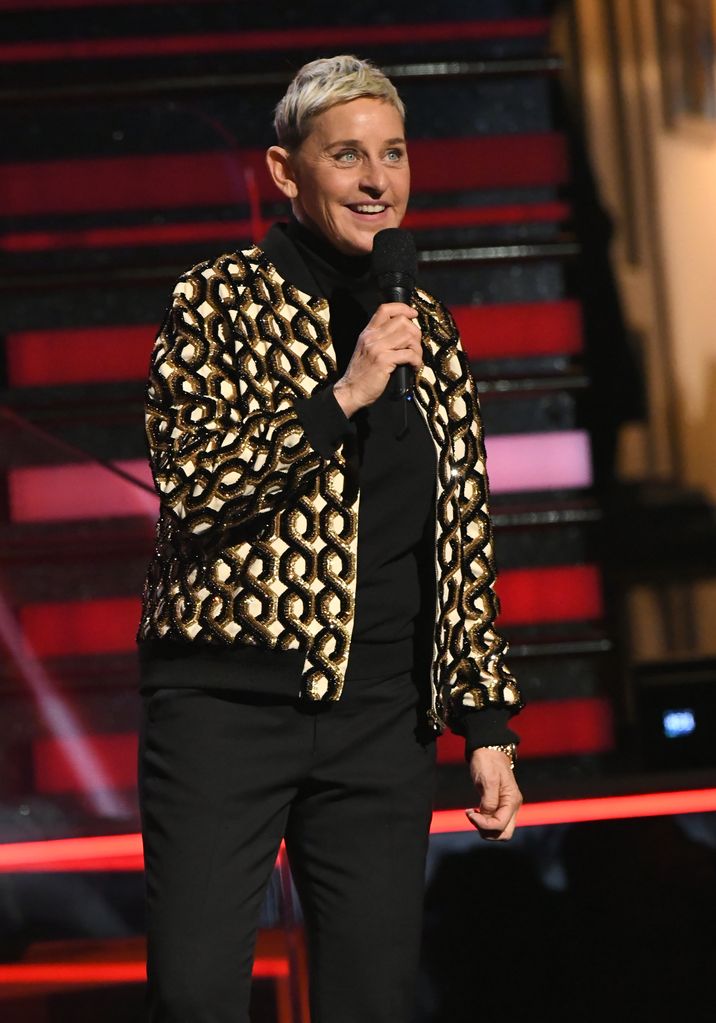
x=389, y=310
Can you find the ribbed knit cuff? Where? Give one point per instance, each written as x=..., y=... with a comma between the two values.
x=487, y=728
x=324, y=421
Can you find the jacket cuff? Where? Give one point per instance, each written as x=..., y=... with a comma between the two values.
x=324, y=421
x=487, y=728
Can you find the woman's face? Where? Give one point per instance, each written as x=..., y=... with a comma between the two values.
x=350, y=176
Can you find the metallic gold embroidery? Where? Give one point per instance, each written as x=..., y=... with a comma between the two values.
x=257, y=538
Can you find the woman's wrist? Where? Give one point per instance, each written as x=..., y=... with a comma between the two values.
x=508, y=748
x=343, y=393
x=487, y=727
x=324, y=421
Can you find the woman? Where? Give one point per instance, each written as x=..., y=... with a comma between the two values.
x=320, y=601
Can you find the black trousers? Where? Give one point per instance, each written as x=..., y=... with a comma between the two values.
x=223, y=778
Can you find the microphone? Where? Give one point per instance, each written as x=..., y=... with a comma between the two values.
x=394, y=264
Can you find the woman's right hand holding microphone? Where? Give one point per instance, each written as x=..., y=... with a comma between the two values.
x=391, y=338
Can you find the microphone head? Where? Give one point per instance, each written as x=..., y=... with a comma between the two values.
x=394, y=253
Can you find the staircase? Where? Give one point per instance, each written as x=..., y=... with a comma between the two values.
x=134, y=137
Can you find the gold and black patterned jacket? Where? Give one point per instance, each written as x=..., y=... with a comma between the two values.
x=257, y=534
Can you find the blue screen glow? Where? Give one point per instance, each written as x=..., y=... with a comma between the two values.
x=678, y=722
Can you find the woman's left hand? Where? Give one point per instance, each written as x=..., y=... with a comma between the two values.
x=500, y=798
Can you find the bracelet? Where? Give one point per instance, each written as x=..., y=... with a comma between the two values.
x=508, y=749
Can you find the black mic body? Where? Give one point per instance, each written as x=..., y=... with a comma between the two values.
x=395, y=264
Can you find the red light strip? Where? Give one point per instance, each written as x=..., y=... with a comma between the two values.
x=235, y=230
x=58, y=973
x=101, y=852
x=284, y=39
x=121, y=352
x=603, y=808
x=124, y=852
x=561, y=593
x=546, y=728
x=116, y=237
x=131, y=971
x=58, y=5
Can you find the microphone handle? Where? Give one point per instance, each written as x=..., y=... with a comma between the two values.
x=402, y=379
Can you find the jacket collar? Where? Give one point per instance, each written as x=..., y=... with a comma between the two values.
x=279, y=250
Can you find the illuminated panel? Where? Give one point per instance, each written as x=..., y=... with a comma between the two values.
x=110, y=852
x=497, y=161
x=562, y=593
x=518, y=462
x=529, y=596
x=37, y=358
x=514, y=331
x=117, y=754
x=86, y=490
x=210, y=179
x=546, y=728
x=129, y=182
x=315, y=37
x=550, y=728
x=81, y=626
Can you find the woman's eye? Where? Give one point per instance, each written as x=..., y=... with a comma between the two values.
x=347, y=156
x=394, y=155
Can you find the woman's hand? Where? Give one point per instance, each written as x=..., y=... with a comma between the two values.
x=391, y=337
x=500, y=798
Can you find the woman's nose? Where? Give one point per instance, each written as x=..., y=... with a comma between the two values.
x=374, y=178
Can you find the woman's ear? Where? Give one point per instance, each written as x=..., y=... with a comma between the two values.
x=278, y=161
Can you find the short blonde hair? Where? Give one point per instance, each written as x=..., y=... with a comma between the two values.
x=323, y=83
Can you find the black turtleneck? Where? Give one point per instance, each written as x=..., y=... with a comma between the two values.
x=395, y=473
